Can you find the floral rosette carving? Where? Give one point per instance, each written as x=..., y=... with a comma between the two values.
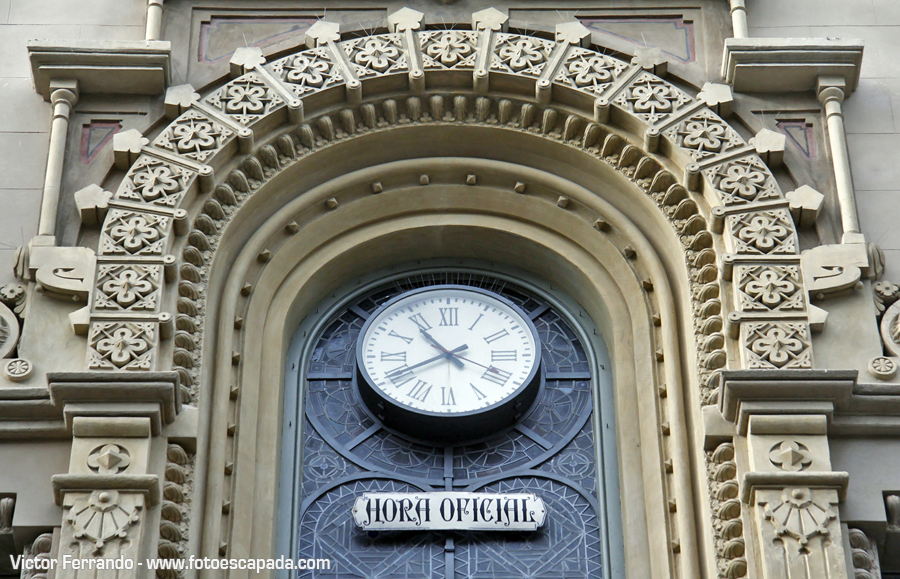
x=447, y=49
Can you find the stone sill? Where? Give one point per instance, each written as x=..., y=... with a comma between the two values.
x=102, y=66
x=789, y=64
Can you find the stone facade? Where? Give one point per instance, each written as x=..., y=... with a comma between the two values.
x=706, y=185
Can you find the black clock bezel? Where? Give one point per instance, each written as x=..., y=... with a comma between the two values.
x=442, y=426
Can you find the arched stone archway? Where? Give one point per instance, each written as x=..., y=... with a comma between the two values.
x=645, y=162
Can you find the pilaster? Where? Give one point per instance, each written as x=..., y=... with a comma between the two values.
x=790, y=491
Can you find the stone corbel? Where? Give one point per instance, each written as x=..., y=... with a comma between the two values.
x=151, y=395
x=106, y=492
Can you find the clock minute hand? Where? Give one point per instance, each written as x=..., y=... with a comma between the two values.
x=438, y=357
x=447, y=353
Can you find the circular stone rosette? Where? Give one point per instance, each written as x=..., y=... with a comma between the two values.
x=883, y=368
x=17, y=369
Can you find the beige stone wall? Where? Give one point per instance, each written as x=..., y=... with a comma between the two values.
x=872, y=113
x=24, y=116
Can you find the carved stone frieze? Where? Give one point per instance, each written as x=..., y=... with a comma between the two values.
x=520, y=55
x=728, y=526
x=801, y=515
x=864, y=555
x=204, y=129
x=376, y=55
x=176, y=505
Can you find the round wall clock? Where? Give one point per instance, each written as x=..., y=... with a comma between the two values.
x=448, y=363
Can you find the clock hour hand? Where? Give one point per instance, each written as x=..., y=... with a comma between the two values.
x=438, y=357
x=448, y=353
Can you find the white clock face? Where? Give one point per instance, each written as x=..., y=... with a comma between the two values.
x=449, y=350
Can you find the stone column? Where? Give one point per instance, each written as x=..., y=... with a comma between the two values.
x=63, y=96
x=105, y=496
x=739, y=19
x=831, y=92
x=154, y=19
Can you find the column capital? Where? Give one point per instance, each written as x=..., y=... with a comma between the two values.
x=64, y=90
x=831, y=88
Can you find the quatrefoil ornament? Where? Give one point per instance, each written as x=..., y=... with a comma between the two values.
x=109, y=459
x=790, y=456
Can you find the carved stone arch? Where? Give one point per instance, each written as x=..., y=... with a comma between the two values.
x=228, y=156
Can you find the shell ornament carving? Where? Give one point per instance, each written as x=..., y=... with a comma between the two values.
x=103, y=516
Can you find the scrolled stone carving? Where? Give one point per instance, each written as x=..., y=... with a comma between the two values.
x=12, y=295
x=727, y=525
x=890, y=330
x=40, y=548
x=864, y=555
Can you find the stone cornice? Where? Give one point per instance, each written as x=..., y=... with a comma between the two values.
x=102, y=66
x=789, y=64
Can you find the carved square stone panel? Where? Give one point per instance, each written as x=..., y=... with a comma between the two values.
x=761, y=233
x=703, y=135
x=776, y=344
x=769, y=288
x=122, y=345
x=127, y=232
x=588, y=70
x=651, y=98
x=194, y=135
x=743, y=180
x=373, y=56
x=307, y=71
x=246, y=99
x=520, y=55
x=127, y=287
x=448, y=49
x=157, y=181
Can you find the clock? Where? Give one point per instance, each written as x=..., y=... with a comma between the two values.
x=448, y=363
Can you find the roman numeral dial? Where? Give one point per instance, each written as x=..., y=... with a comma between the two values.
x=447, y=351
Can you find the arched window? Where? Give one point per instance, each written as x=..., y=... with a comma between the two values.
x=561, y=447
